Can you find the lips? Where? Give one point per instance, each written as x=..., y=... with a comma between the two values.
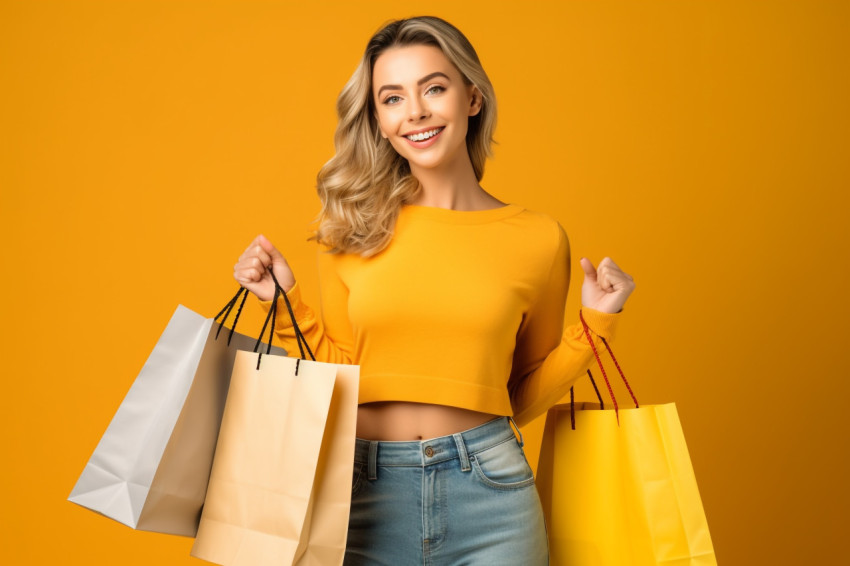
x=423, y=135
x=424, y=138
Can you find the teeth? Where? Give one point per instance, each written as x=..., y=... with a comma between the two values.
x=423, y=135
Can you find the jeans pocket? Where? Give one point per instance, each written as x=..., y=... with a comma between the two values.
x=503, y=466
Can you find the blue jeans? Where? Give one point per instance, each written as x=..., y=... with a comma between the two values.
x=463, y=499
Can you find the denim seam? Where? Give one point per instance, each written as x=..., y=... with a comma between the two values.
x=499, y=443
x=496, y=485
x=355, y=487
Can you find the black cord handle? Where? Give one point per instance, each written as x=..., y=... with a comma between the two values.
x=272, y=315
x=226, y=311
x=299, y=336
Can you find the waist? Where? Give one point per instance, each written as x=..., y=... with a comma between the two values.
x=435, y=450
x=404, y=420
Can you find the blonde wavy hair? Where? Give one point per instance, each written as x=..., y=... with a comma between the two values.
x=364, y=185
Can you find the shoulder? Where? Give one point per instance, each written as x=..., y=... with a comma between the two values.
x=540, y=229
x=534, y=242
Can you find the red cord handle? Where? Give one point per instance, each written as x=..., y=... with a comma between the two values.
x=602, y=368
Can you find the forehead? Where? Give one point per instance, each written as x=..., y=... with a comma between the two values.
x=406, y=65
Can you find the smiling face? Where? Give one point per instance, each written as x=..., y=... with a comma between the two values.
x=423, y=105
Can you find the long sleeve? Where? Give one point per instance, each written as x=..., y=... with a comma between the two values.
x=330, y=336
x=550, y=358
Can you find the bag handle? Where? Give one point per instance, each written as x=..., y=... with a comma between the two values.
x=226, y=311
x=278, y=291
x=272, y=314
x=573, y=401
x=601, y=367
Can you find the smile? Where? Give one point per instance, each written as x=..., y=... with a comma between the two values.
x=424, y=135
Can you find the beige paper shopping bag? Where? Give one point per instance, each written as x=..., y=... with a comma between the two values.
x=326, y=525
x=265, y=461
x=280, y=488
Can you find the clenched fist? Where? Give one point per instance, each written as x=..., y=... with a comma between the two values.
x=251, y=271
x=605, y=288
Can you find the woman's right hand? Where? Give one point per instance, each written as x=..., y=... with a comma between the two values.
x=251, y=270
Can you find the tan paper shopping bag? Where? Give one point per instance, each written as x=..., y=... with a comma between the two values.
x=326, y=525
x=265, y=461
x=280, y=488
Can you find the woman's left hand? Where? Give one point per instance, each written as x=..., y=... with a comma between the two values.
x=605, y=288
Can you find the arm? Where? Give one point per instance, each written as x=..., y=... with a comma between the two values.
x=330, y=336
x=549, y=358
x=252, y=272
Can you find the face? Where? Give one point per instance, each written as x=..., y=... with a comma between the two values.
x=423, y=105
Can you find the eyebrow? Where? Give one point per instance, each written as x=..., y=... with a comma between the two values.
x=420, y=82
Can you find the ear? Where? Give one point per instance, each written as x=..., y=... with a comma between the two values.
x=476, y=100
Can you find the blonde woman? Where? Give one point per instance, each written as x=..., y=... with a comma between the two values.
x=450, y=300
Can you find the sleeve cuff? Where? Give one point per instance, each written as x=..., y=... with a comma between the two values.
x=298, y=307
x=601, y=323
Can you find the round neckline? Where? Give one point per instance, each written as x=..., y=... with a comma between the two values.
x=461, y=216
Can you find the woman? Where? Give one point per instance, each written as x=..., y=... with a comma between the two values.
x=450, y=300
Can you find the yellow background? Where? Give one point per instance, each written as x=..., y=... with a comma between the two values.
x=703, y=145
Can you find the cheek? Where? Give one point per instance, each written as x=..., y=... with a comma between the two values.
x=385, y=125
x=398, y=145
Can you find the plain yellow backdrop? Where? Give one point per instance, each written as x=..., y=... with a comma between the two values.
x=703, y=145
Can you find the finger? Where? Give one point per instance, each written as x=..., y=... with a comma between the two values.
x=254, y=243
x=589, y=271
x=264, y=258
x=608, y=263
x=273, y=253
x=612, y=270
x=605, y=280
x=251, y=268
x=255, y=257
x=253, y=262
x=243, y=279
x=611, y=278
x=248, y=274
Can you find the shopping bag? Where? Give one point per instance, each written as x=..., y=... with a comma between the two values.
x=618, y=488
x=280, y=487
x=151, y=467
x=323, y=540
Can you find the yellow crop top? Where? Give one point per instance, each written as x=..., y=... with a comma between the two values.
x=463, y=308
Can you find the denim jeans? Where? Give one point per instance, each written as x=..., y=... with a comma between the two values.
x=463, y=499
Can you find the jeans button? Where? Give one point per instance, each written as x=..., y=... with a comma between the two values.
x=429, y=451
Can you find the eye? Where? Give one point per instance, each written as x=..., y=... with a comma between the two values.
x=392, y=99
x=435, y=89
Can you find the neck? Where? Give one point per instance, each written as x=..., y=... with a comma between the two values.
x=452, y=186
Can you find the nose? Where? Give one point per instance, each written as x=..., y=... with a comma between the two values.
x=418, y=109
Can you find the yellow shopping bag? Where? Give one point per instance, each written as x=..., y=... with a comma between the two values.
x=618, y=488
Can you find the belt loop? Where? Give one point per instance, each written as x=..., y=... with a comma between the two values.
x=373, y=460
x=513, y=422
x=461, y=450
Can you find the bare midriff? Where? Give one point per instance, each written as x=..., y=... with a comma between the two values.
x=403, y=421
